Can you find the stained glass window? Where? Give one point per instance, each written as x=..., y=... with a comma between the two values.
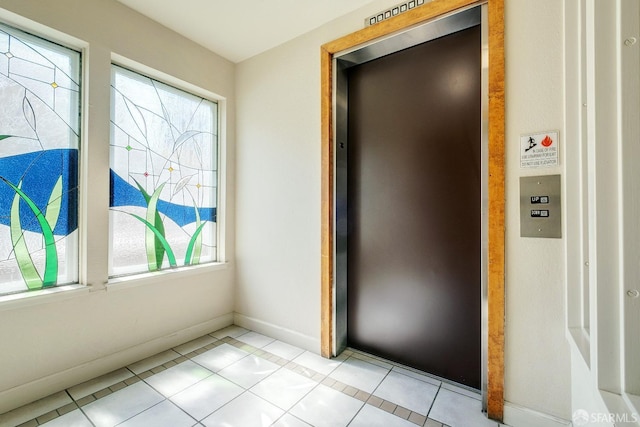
x=39, y=141
x=163, y=176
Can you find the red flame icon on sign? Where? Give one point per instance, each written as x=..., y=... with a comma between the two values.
x=546, y=142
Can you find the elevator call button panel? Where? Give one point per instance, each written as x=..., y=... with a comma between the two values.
x=540, y=207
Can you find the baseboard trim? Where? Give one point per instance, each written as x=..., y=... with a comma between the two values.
x=42, y=387
x=306, y=342
x=519, y=416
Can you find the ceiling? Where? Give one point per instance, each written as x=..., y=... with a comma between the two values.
x=240, y=29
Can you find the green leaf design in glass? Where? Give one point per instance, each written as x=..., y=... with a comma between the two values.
x=28, y=270
x=161, y=239
x=155, y=249
x=54, y=205
x=192, y=243
x=51, y=255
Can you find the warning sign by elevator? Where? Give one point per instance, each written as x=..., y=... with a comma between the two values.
x=539, y=150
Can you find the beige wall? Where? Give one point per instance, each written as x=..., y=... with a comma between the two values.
x=278, y=178
x=276, y=183
x=52, y=342
x=537, y=357
x=278, y=204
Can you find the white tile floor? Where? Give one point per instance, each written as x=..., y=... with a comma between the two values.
x=236, y=377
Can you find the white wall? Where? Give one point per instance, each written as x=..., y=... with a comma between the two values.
x=278, y=209
x=278, y=204
x=278, y=178
x=537, y=357
x=604, y=366
x=52, y=342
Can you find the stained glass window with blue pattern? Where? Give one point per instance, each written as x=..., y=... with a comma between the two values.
x=39, y=142
x=164, y=175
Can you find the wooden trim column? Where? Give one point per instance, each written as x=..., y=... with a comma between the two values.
x=496, y=289
x=424, y=13
x=327, y=190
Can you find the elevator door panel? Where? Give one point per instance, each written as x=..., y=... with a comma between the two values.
x=414, y=185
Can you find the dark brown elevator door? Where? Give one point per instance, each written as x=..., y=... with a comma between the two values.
x=414, y=182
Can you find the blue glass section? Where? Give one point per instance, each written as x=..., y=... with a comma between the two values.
x=39, y=172
x=125, y=194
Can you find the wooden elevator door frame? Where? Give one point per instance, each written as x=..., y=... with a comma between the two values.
x=379, y=38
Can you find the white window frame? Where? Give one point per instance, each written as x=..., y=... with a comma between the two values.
x=630, y=135
x=220, y=262
x=34, y=29
x=601, y=317
x=90, y=277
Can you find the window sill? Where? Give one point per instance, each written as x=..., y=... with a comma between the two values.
x=144, y=279
x=623, y=407
x=633, y=402
x=61, y=293
x=43, y=296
